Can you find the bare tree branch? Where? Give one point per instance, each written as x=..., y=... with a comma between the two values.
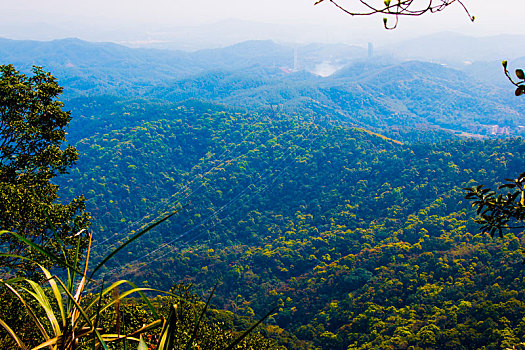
x=396, y=8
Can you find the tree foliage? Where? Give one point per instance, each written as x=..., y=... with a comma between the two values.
x=32, y=131
x=367, y=242
x=65, y=316
x=499, y=212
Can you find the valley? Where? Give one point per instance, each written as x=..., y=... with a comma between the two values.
x=340, y=199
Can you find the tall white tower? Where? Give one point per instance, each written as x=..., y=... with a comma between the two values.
x=295, y=66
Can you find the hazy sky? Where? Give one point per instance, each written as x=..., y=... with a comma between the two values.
x=128, y=20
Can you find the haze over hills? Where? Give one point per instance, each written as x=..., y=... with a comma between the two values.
x=315, y=177
x=190, y=37
x=69, y=53
x=444, y=47
x=377, y=93
x=459, y=49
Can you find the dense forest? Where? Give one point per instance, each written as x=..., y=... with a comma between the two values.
x=340, y=200
x=366, y=241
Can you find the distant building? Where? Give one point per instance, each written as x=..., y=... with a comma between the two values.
x=295, y=65
x=497, y=130
x=370, y=50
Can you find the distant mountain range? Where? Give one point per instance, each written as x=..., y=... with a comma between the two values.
x=68, y=55
x=309, y=177
x=380, y=93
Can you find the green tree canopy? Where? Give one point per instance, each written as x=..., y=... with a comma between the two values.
x=499, y=212
x=32, y=131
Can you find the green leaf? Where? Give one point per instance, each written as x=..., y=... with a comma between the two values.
x=72, y=273
x=167, y=336
x=97, y=317
x=28, y=309
x=79, y=308
x=102, y=342
x=39, y=249
x=56, y=293
x=134, y=289
x=13, y=335
x=197, y=324
x=40, y=296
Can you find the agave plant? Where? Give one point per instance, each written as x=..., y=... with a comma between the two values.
x=71, y=319
x=70, y=322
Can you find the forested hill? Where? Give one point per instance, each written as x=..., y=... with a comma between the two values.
x=398, y=98
x=365, y=241
x=338, y=197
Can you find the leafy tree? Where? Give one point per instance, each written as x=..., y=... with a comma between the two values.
x=32, y=131
x=498, y=212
